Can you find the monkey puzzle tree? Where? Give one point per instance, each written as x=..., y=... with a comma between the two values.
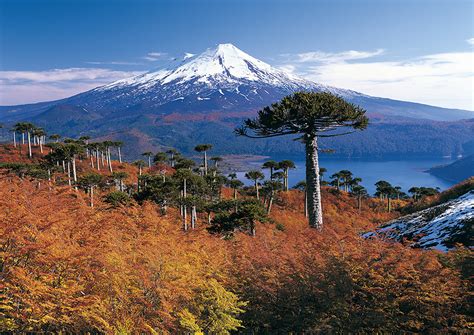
x=120, y=177
x=272, y=166
x=310, y=115
x=255, y=176
x=148, y=154
x=204, y=148
x=359, y=192
x=286, y=165
x=89, y=181
x=216, y=160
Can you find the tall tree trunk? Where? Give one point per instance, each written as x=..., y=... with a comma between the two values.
x=14, y=139
x=185, y=214
x=256, y=189
x=205, y=163
x=109, y=159
x=120, y=155
x=22, y=138
x=69, y=173
x=270, y=203
x=92, y=195
x=193, y=217
x=41, y=144
x=29, y=145
x=389, y=204
x=74, y=171
x=312, y=183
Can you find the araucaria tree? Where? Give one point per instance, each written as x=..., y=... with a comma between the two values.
x=311, y=115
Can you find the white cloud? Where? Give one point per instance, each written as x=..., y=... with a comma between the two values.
x=154, y=56
x=114, y=63
x=319, y=56
x=470, y=41
x=20, y=87
x=445, y=79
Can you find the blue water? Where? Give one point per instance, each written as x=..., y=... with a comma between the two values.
x=403, y=173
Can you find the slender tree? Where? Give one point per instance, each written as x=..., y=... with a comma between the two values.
x=204, y=148
x=216, y=160
x=255, y=176
x=148, y=154
x=270, y=165
x=55, y=137
x=302, y=187
x=89, y=181
x=312, y=116
x=286, y=165
x=120, y=177
x=359, y=192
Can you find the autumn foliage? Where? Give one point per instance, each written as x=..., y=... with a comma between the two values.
x=130, y=269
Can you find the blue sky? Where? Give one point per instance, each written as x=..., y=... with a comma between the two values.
x=412, y=50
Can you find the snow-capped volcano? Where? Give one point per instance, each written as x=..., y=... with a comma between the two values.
x=219, y=79
x=222, y=66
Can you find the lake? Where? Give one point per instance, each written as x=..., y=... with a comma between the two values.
x=404, y=173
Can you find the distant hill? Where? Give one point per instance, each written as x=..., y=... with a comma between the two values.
x=456, y=171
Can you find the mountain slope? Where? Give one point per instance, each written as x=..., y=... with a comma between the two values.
x=439, y=226
x=456, y=171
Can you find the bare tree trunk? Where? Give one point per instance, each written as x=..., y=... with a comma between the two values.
x=14, y=139
x=256, y=189
x=389, y=204
x=312, y=183
x=22, y=138
x=69, y=173
x=205, y=163
x=193, y=217
x=270, y=203
x=119, y=155
x=41, y=144
x=185, y=214
x=109, y=159
x=74, y=171
x=92, y=195
x=29, y=145
x=97, y=159
x=149, y=161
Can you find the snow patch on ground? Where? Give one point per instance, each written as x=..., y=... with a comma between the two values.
x=434, y=227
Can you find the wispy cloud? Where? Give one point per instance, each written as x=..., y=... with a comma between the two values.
x=470, y=41
x=445, y=79
x=154, y=56
x=326, y=57
x=114, y=63
x=19, y=87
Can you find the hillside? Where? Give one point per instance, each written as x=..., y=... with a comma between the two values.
x=446, y=220
x=132, y=268
x=204, y=97
x=457, y=171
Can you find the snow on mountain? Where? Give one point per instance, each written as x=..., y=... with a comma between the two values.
x=436, y=227
x=220, y=78
x=223, y=66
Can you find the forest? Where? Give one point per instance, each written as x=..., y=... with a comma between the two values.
x=170, y=245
